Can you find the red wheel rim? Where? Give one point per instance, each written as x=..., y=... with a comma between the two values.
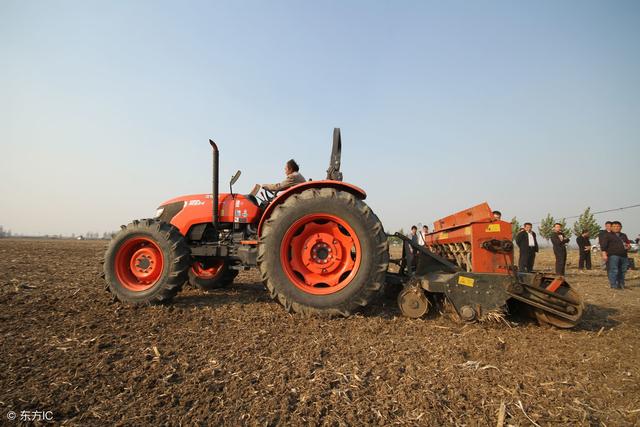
x=203, y=272
x=320, y=254
x=139, y=264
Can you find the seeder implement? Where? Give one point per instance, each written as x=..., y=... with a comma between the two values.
x=468, y=262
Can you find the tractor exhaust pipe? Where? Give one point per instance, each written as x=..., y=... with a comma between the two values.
x=333, y=173
x=215, y=194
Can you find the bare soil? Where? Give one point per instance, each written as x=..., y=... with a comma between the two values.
x=234, y=357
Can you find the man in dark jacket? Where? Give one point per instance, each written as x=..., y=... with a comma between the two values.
x=614, y=249
x=584, y=250
x=607, y=229
x=559, y=247
x=601, y=234
x=528, y=245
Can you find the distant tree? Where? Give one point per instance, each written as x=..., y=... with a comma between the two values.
x=401, y=231
x=546, y=227
x=1, y=232
x=586, y=221
x=515, y=227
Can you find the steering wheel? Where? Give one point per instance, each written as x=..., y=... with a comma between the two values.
x=269, y=195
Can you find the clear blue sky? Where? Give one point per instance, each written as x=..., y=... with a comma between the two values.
x=106, y=107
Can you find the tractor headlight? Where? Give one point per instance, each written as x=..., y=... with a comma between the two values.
x=166, y=212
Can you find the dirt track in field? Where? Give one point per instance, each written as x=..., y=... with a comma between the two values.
x=234, y=357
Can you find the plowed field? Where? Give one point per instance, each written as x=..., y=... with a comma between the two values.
x=234, y=357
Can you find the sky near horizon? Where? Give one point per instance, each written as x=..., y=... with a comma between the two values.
x=106, y=107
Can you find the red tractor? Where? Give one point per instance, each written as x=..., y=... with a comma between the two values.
x=319, y=247
x=322, y=250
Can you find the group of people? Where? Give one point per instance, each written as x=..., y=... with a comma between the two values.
x=527, y=242
x=613, y=245
x=417, y=238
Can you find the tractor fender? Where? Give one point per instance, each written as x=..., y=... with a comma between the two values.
x=284, y=195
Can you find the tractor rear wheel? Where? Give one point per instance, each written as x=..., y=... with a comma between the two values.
x=146, y=262
x=323, y=252
x=209, y=275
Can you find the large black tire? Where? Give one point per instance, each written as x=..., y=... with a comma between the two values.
x=155, y=248
x=374, y=259
x=221, y=279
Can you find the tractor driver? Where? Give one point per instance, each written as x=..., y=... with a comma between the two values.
x=294, y=177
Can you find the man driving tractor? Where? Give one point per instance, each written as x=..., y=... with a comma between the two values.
x=294, y=177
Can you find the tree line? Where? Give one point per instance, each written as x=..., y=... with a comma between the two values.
x=585, y=222
x=88, y=235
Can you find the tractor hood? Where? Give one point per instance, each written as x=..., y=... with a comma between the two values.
x=189, y=198
x=167, y=210
x=186, y=211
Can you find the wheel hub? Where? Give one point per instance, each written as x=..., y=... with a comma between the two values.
x=143, y=263
x=139, y=263
x=320, y=253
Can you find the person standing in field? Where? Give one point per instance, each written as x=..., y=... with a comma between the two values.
x=601, y=234
x=607, y=229
x=528, y=245
x=614, y=249
x=584, y=250
x=559, y=248
x=409, y=251
x=423, y=235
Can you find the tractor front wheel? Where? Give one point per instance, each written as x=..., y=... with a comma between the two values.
x=146, y=262
x=323, y=251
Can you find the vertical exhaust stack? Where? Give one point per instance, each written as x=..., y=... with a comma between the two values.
x=333, y=173
x=215, y=194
